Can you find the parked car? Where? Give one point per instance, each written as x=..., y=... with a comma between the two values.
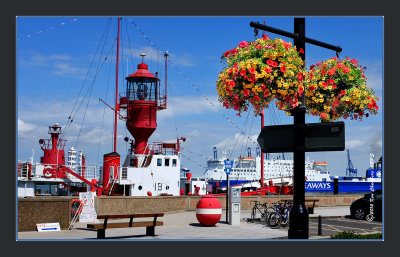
x=361, y=208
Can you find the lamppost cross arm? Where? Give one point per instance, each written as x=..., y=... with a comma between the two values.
x=295, y=36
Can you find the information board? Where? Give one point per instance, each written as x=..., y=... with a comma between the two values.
x=88, y=213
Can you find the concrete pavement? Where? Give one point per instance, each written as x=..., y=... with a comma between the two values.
x=184, y=226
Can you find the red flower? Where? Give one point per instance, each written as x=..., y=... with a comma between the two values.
x=243, y=44
x=330, y=81
x=354, y=61
x=259, y=46
x=257, y=98
x=324, y=115
x=252, y=70
x=246, y=92
x=242, y=72
x=283, y=68
x=324, y=84
x=266, y=93
x=272, y=63
x=263, y=87
x=301, y=90
x=346, y=70
x=340, y=65
x=331, y=72
x=334, y=86
x=342, y=92
x=301, y=51
x=268, y=69
x=299, y=76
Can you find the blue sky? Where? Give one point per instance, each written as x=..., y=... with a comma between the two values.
x=54, y=56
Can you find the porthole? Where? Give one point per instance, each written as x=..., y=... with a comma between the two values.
x=167, y=187
x=140, y=187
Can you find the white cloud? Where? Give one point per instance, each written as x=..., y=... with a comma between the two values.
x=236, y=142
x=66, y=69
x=194, y=133
x=354, y=144
x=25, y=127
x=58, y=64
x=187, y=105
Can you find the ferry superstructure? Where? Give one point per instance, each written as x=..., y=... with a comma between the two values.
x=247, y=171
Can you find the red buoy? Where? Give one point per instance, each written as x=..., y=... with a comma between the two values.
x=208, y=210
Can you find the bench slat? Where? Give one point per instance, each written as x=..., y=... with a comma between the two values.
x=127, y=216
x=125, y=225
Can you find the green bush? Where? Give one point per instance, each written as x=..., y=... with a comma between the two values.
x=352, y=235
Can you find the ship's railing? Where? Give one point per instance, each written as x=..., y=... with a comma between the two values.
x=163, y=148
x=38, y=170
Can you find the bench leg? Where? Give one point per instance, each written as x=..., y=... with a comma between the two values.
x=101, y=234
x=150, y=231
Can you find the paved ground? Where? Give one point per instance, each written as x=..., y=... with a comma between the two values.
x=184, y=226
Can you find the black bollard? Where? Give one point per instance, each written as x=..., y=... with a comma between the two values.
x=335, y=186
x=319, y=225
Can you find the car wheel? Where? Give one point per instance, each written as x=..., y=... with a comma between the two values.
x=359, y=214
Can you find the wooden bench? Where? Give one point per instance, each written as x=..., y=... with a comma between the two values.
x=150, y=225
x=311, y=204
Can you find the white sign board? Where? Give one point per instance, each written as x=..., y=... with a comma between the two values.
x=45, y=227
x=88, y=213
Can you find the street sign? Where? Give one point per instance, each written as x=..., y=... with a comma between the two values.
x=45, y=227
x=325, y=137
x=318, y=137
x=228, y=166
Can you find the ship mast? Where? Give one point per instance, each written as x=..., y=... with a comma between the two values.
x=116, y=94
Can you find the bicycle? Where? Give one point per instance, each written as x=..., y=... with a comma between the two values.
x=261, y=208
x=280, y=216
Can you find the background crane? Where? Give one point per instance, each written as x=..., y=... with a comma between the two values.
x=350, y=170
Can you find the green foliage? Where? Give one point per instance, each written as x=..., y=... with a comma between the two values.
x=352, y=235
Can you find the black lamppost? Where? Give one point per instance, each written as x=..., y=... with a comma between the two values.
x=298, y=225
x=298, y=217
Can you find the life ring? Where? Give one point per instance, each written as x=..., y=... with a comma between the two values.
x=75, y=206
x=47, y=173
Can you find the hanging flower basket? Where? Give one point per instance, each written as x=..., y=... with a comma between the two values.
x=338, y=89
x=259, y=72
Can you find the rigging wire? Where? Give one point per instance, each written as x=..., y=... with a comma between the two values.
x=70, y=119
x=230, y=155
x=129, y=43
x=99, y=67
x=104, y=111
x=246, y=140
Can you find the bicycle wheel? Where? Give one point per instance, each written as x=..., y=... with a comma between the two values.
x=274, y=220
x=253, y=213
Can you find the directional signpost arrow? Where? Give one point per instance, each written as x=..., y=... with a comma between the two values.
x=318, y=137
